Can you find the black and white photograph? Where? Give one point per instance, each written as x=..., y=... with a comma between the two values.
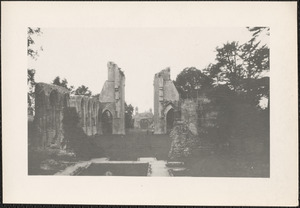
x=149, y=103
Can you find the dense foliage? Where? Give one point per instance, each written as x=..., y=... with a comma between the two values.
x=62, y=83
x=237, y=85
x=191, y=81
x=128, y=116
x=33, y=53
x=83, y=90
x=75, y=138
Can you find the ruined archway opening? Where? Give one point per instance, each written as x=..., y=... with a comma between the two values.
x=54, y=117
x=88, y=117
x=66, y=100
x=94, y=114
x=53, y=98
x=170, y=120
x=106, y=122
x=82, y=112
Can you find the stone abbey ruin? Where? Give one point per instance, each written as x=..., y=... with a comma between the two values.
x=106, y=114
x=93, y=128
x=103, y=115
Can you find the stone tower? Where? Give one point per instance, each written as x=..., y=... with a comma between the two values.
x=166, y=99
x=112, y=98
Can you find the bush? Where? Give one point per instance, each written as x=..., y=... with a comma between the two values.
x=184, y=141
x=75, y=138
x=237, y=120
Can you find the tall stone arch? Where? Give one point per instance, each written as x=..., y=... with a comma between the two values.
x=166, y=97
x=169, y=116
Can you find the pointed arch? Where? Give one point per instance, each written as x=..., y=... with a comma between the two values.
x=169, y=118
x=107, y=122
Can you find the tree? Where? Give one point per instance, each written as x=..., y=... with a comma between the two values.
x=83, y=90
x=240, y=82
x=30, y=93
x=32, y=53
x=128, y=116
x=240, y=67
x=257, y=31
x=75, y=138
x=62, y=83
x=192, y=81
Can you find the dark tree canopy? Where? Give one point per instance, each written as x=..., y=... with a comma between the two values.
x=128, y=116
x=240, y=67
x=31, y=84
x=191, y=81
x=83, y=90
x=33, y=53
x=62, y=83
x=257, y=31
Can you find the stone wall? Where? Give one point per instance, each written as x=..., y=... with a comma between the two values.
x=50, y=100
x=166, y=99
x=112, y=97
x=207, y=114
x=88, y=109
x=189, y=113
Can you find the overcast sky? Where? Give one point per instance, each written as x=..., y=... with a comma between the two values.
x=81, y=55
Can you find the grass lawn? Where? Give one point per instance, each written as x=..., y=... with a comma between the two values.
x=218, y=165
x=135, y=144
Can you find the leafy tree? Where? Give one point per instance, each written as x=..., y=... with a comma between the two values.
x=192, y=81
x=240, y=67
x=30, y=93
x=257, y=31
x=32, y=53
x=128, y=116
x=83, y=90
x=240, y=82
x=62, y=83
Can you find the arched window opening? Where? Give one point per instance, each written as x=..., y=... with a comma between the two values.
x=82, y=112
x=170, y=120
x=106, y=122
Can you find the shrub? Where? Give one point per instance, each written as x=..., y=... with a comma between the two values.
x=75, y=138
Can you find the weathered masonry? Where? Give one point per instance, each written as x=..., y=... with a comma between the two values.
x=169, y=108
x=88, y=111
x=112, y=98
x=166, y=99
x=50, y=100
x=103, y=115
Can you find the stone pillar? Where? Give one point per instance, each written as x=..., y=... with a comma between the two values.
x=164, y=92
